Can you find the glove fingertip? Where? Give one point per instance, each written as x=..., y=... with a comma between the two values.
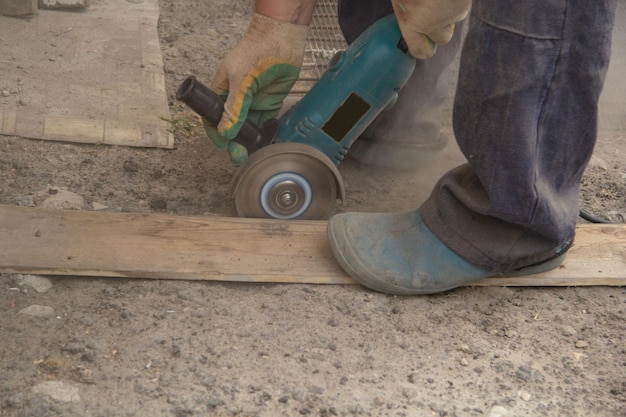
x=220, y=142
x=238, y=153
x=423, y=47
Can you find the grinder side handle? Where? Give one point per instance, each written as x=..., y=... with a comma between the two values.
x=210, y=106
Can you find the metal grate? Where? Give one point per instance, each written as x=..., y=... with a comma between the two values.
x=325, y=39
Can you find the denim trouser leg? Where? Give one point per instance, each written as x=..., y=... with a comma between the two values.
x=399, y=136
x=525, y=117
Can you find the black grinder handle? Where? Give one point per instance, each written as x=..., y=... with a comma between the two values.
x=210, y=106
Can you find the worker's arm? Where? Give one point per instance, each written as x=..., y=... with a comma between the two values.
x=298, y=12
x=257, y=75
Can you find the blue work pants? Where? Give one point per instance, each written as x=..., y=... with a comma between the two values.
x=525, y=117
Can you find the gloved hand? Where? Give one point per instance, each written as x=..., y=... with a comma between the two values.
x=255, y=77
x=427, y=23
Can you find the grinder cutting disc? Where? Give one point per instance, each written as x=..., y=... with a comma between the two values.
x=287, y=181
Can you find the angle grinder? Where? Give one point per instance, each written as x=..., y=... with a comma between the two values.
x=291, y=171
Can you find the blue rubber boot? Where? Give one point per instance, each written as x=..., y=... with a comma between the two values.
x=398, y=254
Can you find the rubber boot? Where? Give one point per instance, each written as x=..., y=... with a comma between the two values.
x=398, y=254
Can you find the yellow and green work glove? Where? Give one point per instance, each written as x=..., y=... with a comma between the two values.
x=254, y=79
x=427, y=23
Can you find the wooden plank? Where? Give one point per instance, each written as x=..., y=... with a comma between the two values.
x=65, y=242
x=158, y=246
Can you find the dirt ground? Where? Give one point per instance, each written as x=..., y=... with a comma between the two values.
x=73, y=346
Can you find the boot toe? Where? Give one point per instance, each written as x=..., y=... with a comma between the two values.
x=397, y=254
x=353, y=250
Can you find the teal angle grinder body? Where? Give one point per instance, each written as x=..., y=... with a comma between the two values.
x=358, y=85
x=292, y=169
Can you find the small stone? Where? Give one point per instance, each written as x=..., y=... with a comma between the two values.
x=524, y=373
x=410, y=393
x=299, y=395
x=497, y=411
x=213, y=33
x=582, y=344
x=25, y=201
x=58, y=391
x=62, y=199
x=510, y=333
x=464, y=362
x=568, y=331
x=39, y=284
x=38, y=311
x=171, y=52
x=465, y=349
x=524, y=395
x=316, y=389
x=98, y=206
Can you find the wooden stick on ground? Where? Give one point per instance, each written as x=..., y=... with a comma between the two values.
x=88, y=243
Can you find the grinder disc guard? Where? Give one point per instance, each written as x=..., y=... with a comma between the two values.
x=287, y=181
